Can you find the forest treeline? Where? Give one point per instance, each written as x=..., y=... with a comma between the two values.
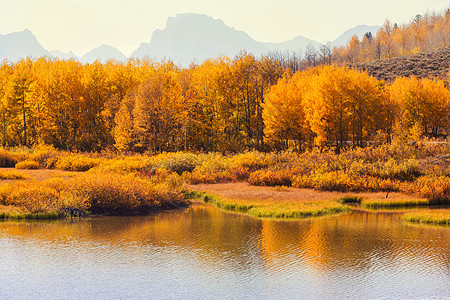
x=224, y=104
x=220, y=105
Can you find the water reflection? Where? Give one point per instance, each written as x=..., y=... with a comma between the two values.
x=203, y=252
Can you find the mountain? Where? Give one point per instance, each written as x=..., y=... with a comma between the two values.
x=196, y=37
x=103, y=53
x=186, y=38
x=360, y=30
x=17, y=45
x=297, y=44
x=62, y=55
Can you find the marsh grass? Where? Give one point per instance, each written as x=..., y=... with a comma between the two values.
x=297, y=211
x=435, y=216
x=269, y=208
x=34, y=216
x=395, y=203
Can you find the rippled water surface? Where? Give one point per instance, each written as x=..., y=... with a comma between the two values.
x=205, y=253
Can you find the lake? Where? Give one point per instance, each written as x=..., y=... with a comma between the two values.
x=205, y=253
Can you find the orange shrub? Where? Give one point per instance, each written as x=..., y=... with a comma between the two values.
x=270, y=178
x=435, y=188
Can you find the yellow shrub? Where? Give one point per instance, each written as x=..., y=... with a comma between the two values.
x=27, y=164
x=76, y=162
x=13, y=175
x=98, y=193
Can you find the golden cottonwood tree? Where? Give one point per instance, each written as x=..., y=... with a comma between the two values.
x=17, y=96
x=283, y=111
x=343, y=106
x=424, y=102
x=158, y=111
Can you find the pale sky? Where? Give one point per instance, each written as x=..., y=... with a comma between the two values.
x=81, y=25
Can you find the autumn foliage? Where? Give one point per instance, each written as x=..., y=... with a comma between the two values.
x=221, y=105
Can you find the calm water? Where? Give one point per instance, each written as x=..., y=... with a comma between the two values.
x=205, y=253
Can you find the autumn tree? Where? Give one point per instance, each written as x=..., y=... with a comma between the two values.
x=342, y=106
x=17, y=96
x=283, y=114
x=424, y=102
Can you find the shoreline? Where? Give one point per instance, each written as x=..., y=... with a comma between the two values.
x=279, y=202
x=294, y=203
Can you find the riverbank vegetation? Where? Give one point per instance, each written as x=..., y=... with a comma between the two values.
x=382, y=177
x=92, y=193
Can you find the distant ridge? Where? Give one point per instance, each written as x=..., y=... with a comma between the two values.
x=298, y=43
x=103, y=53
x=187, y=38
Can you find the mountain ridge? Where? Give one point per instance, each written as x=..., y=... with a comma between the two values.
x=186, y=38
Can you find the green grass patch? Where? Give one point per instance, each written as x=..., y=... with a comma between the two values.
x=408, y=202
x=295, y=211
x=268, y=209
x=435, y=216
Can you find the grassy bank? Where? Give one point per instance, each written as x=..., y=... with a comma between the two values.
x=267, y=202
x=294, y=203
x=436, y=216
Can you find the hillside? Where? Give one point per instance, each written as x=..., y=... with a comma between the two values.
x=422, y=65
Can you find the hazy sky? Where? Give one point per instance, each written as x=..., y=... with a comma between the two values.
x=81, y=25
